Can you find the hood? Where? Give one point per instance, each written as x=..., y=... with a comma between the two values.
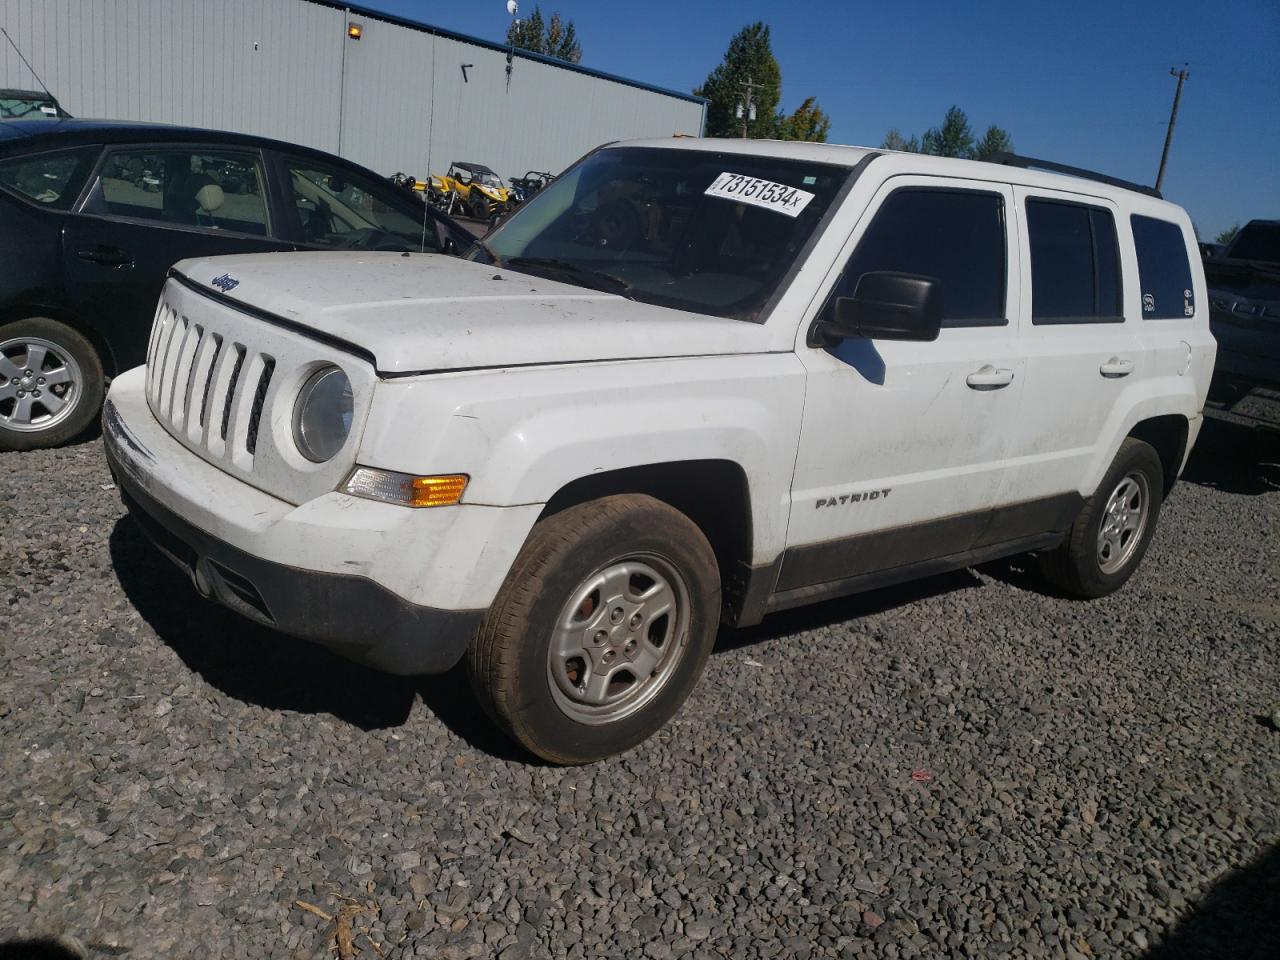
x=419, y=313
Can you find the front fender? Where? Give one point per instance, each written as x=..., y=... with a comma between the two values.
x=522, y=435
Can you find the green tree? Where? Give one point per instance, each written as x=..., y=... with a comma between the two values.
x=749, y=58
x=994, y=141
x=894, y=140
x=808, y=122
x=953, y=139
x=1227, y=235
x=555, y=38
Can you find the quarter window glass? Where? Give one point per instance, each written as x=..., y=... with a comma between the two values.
x=215, y=190
x=351, y=213
x=1075, y=263
x=1164, y=271
x=50, y=179
x=955, y=236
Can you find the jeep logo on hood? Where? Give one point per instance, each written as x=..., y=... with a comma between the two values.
x=226, y=283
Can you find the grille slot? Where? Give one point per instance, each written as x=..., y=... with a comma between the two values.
x=260, y=395
x=231, y=390
x=208, y=380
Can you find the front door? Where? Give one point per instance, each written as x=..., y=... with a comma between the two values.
x=901, y=452
x=149, y=207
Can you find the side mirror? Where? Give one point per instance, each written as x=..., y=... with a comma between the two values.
x=887, y=306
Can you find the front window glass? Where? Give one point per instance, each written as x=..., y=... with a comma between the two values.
x=955, y=237
x=212, y=189
x=350, y=213
x=50, y=179
x=697, y=230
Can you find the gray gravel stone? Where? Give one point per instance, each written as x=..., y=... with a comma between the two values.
x=171, y=774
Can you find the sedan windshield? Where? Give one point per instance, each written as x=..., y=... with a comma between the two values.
x=698, y=230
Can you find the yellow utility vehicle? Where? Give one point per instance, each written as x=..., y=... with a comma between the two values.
x=470, y=189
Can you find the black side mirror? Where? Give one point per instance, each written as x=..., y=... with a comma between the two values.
x=887, y=306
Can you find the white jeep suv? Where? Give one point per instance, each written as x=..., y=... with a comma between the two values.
x=691, y=382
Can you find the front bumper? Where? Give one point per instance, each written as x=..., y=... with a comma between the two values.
x=266, y=559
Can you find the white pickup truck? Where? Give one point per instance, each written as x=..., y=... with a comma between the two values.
x=690, y=383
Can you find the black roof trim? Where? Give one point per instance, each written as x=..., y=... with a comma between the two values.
x=1031, y=163
x=358, y=11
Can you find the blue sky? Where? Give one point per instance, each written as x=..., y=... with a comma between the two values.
x=1085, y=83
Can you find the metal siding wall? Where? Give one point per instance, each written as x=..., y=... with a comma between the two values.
x=403, y=102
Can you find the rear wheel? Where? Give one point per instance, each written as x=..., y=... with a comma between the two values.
x=51, y=384
x=601, y=630
x=1114, y=528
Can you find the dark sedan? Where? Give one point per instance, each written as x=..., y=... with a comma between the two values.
x=94, y=213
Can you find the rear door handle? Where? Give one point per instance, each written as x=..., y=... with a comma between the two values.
x=105, y=256
x=989, y=378
x=1115, y=367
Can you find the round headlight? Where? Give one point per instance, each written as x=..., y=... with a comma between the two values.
x=322, y=414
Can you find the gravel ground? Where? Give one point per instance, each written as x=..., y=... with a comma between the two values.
x=963, y=767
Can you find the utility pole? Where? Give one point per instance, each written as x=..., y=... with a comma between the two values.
x=1182, y=76
x=746, y=111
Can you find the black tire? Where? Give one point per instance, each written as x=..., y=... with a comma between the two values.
x=511, y=660
x=1077, y=567
x=478, y=205
x=21, y=427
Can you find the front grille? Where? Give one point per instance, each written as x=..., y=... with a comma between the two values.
x=222, y=382
x=207, y=387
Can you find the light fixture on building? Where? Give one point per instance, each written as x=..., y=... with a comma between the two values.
x=355, y=31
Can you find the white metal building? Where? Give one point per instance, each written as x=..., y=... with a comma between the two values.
x=404, y=96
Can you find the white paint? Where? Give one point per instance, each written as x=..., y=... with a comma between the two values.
x=527, y=384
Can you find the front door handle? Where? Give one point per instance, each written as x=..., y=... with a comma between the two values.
x=1115, y=367
x=105, y=256
x=989, y=378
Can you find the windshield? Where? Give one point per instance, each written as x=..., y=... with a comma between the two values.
x=1257, y=241
x=15, y=108
x=707, y=232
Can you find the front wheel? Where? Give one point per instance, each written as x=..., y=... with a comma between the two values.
x=1111, y=534
x=601, y=629
x=51, y=384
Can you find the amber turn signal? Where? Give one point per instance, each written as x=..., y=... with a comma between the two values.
x=406, y=489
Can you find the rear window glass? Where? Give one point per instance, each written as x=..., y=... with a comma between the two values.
x=49, y=179
x=1164, y=272
x=1075, y=263
x=954, y=236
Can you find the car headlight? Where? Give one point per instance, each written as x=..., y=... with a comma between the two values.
x=322, y=414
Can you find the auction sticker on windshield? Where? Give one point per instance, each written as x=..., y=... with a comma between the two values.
x=760, y=193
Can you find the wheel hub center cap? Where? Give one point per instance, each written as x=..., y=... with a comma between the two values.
x=27, y=383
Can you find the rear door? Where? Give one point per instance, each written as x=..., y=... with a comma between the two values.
x=149, y=207
x=1081, y=346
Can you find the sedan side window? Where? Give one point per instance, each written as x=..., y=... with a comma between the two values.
x=216, y=190
x=338, y=210
x=50, y=179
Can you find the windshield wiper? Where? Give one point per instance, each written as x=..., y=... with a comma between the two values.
x=584, y=277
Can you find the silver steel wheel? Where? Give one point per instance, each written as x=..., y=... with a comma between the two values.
x=39, y=384
x=1124, y=520
x=618, y=639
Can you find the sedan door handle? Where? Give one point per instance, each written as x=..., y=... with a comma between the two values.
x=989, y=378
x=1115, y=367
x=105, y=256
